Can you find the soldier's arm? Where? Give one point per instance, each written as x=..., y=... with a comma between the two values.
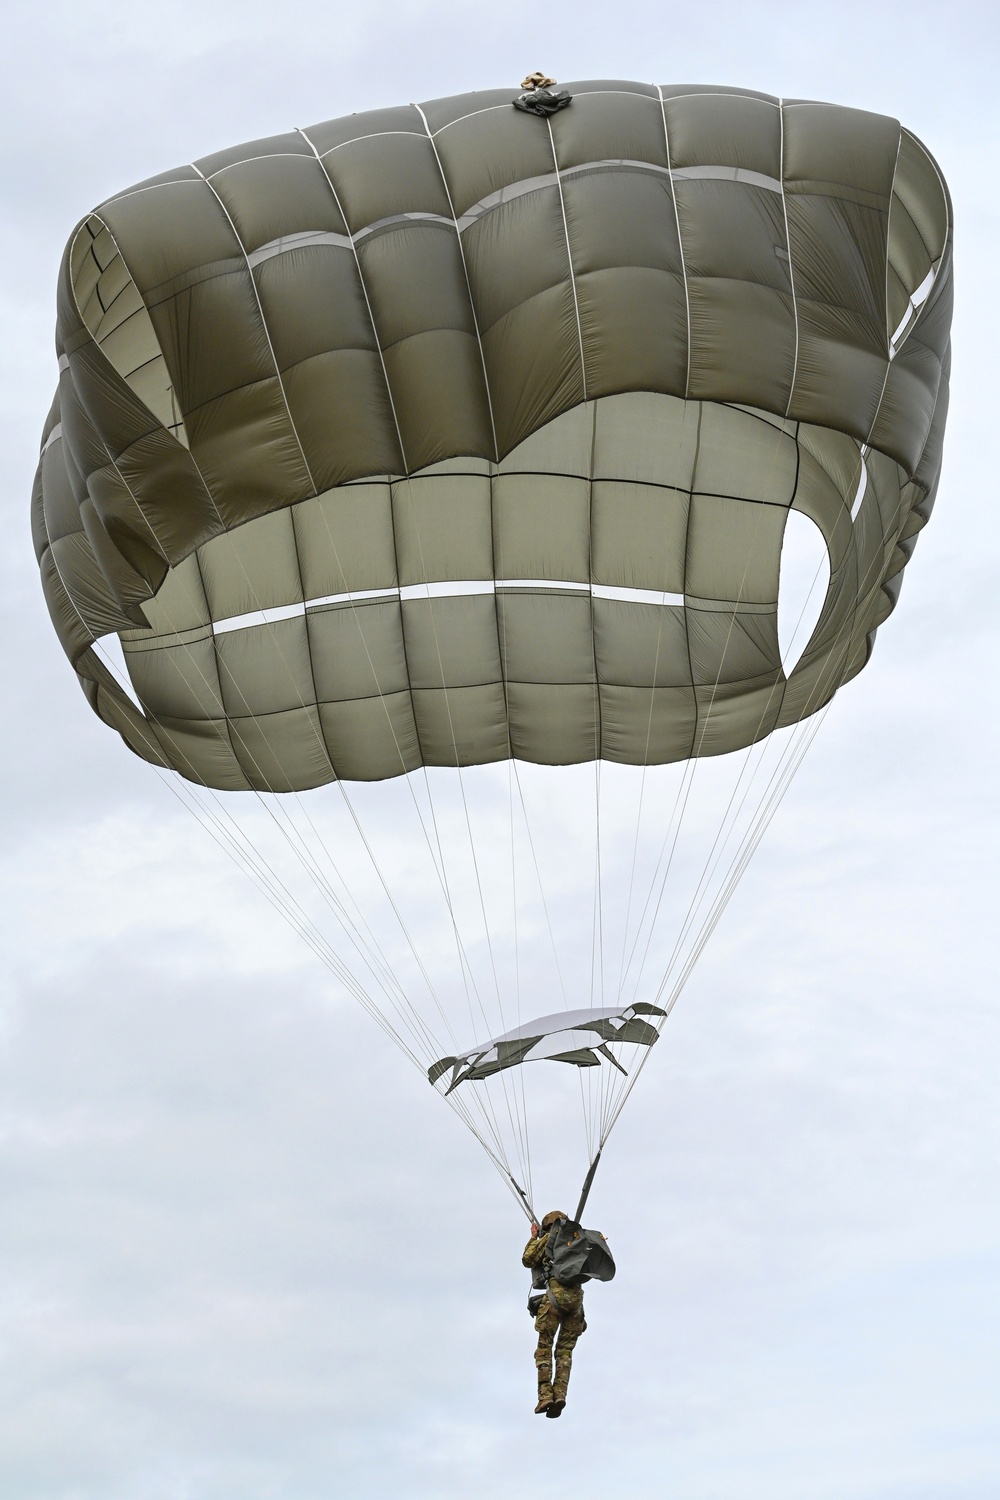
x=534, y=1252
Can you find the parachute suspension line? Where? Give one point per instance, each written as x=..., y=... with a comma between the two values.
x=297, y=918
x=483, y=1099
x=281, y=819
x=781, y=781
x=695, y=900
x=232, y=841
x=312, y=870
x=596, y=1084
x=437, y=861
x=231, y=832
x=587, y=1117
x=731, y=818
x=430, y=1044
x=623, y=967
x=737, y=870
x=794, y=752
x=466, y=970
x=708, y=868
x=597, y=974
x=616, y=1085
x=638, y=815
x=670, y=841
x=243, y=856
x=385, y=980
x=515, y=1114
x=597, y=938
x=541, y=885
x=519, y=1081
x=395, y=909
x=723, y=833
x=372, y=955
x=596, y=953
x=690, y=765
x=525, y=1201
x=517, y=1192
x=464, y=965
x=496, y=1151
x=496, y=1156
x=758, y=749
x=514, y=777
x=346, y=898
x=374, y=960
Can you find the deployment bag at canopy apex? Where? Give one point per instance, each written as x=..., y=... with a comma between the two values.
x=574, y=1255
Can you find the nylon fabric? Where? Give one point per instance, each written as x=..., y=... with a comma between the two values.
x=452, y=344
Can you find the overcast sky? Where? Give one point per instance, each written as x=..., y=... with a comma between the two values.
x=245, y=1253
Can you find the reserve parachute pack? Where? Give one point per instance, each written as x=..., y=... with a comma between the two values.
x=574, y=1255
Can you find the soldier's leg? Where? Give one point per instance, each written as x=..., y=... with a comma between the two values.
x=546, y=1324
x=570, y=1329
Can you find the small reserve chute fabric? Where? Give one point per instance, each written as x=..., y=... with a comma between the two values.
x=581, y=1037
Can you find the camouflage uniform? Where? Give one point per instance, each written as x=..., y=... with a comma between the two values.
x=561, y=1312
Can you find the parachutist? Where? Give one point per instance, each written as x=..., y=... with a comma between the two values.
x=558, y=1310
x=561, y=1255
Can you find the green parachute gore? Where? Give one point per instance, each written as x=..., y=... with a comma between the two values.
x=448, y=433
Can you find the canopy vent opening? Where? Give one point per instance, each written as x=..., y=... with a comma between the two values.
x=803, y=580
x=109, y=649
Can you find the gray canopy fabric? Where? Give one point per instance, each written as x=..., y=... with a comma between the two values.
x=448, y=433
x=580, y=1037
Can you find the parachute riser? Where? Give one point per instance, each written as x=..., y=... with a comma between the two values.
x=588, y=1183
x=523, y=1199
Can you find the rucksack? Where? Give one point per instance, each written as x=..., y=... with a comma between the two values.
x=574, y=1255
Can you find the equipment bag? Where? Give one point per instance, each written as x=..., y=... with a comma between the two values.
x=574, y=1255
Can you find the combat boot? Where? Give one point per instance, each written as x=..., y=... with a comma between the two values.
x=544, y=1392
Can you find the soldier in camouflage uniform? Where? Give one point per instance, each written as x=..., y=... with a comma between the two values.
x=561, y=1312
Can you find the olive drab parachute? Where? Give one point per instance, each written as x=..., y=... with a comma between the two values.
x=471, y=432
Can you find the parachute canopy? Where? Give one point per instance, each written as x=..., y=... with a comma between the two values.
x=449, y=433
x=571, y=1036
x=482, y=431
